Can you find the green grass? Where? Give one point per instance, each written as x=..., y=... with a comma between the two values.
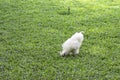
x=32, y=31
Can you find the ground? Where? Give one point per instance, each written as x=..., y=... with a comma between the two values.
x=32, y=32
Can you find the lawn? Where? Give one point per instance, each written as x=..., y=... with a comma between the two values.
x=32, y=32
